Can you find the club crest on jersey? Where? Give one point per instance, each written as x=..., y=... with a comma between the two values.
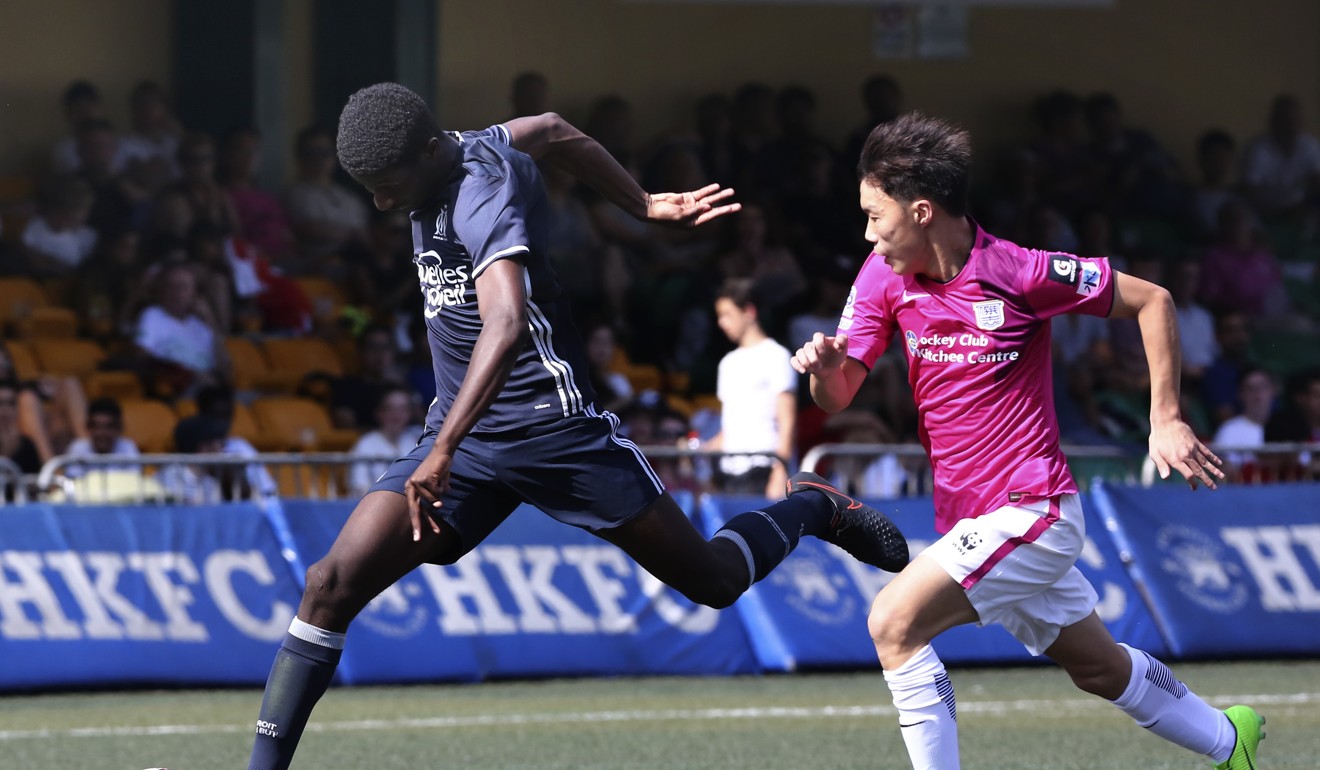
x=846, y=319
x=989, y=314
x=911, y=338
x=442, y=223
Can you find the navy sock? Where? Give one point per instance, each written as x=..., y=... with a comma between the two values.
x=768, y=536
x=299, y=677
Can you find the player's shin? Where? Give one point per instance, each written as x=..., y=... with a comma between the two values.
x=1160, y=703
x=927, y=711
x=768, y=536
x=302, y=671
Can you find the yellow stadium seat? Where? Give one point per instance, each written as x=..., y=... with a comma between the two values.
x=26, y=366
x=18, y=298
x=290, y=423
x=325, y=297
x=250, y=370
x=149, y=423
x=78, y=358
x=300, y=356
x=644, y=377
x=116, y=385
x=706, y=401
x=48, y=322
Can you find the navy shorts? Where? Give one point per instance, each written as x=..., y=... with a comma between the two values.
x=579, y=470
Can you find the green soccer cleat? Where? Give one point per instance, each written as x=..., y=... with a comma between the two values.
x=1250, y=732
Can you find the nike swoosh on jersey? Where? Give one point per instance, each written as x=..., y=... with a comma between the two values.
x=908, y=296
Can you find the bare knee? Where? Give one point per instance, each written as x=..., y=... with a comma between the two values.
x=1105, y=677
x=893, y=633
x=327, y=599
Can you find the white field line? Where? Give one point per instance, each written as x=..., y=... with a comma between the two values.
x=1052, y=706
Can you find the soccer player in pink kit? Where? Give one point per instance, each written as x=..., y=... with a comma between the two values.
x=973, y=313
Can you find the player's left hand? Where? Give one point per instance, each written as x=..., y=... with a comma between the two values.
x=690, y=209
x=424, y=488
x=1173, y=445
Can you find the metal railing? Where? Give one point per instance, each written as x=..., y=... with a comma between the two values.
x=886, y=470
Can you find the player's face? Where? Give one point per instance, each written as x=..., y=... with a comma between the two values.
x=409, y=186
x=894, y=229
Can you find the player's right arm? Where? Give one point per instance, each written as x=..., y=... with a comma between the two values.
x=550, y=138
x=835, y=378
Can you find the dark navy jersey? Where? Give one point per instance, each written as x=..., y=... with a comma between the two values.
x=494, y=208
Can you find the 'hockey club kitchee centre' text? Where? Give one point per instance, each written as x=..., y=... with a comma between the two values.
x=951, y=349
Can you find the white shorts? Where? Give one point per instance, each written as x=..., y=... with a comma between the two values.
x=1018, y=567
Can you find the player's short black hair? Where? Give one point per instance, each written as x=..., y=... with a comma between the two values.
x=80, y=91
x=383, y=126
x=914, y=156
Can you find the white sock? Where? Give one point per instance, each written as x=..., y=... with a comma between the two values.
x=1160, y=703
x=927, y=712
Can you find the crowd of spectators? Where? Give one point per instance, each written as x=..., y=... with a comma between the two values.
x=166, y=244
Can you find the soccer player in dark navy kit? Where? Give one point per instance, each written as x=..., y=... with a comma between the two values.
x=514, y=419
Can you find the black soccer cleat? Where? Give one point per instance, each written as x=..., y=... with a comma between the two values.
x=857, y=528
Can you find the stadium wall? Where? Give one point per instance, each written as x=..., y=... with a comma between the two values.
x=1179, y=66
x=163, y=595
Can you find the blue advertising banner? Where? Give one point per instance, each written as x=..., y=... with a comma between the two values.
x=811, y=611
x=135, y=595
x=537, y=598
x=1230, y=572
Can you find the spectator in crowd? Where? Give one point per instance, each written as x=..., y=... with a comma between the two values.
x=200, y=483
x=714, y=123
x=757, y=388
x=760, y=256
x=752, y=132
x=1299, y=419
x=1196, y=325
x=1216, y=160
x=883, y=99
x=1281, y=168
x=217, y=403
x=261, y=218
x=153, y=140
x=1067, y=169
x=879, y=476
x=818, y=221
x=395, y=435
x=1256, y=392
x=177, y=336
x=613, y=390
x=1220, y=383
x=828, y=293
x=81, y=103
x=14, y=445
x=591, y=273
x=1137, y=177
x=1239, y=272
x=529, y=94
x=197, y=181
x=385, y=278
x=105, y=436
x=58, y=239
x=328, y=218
x=795, y=114
x=610, y=123
x=354, y=397
x=118, y=201
x=103, y=286
x=52, y=409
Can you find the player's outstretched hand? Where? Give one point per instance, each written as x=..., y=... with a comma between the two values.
x=821, y=354
x=425, y=487
x=1173, y=445
x=690, y=209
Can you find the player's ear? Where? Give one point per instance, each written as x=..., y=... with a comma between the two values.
x=922, y=211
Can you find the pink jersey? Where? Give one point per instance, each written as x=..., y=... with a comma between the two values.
x=978, y=350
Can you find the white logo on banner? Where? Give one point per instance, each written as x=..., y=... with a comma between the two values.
x=814, y=590
x=1201, y=570
x=31, y=608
